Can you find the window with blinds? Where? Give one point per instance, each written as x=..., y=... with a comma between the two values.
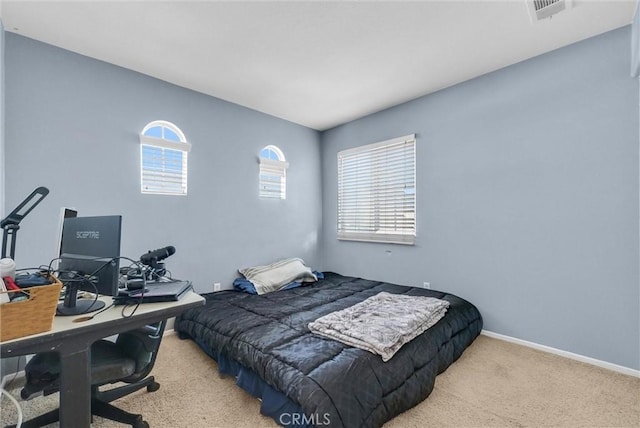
x=163, y=159
x=273, y=174
x=377, y=192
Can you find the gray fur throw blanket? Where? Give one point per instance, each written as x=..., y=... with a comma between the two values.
x=382, y=323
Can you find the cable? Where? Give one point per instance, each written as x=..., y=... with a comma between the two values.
x=85, y=278
x=8, y=394
x=15, y=402
x=135, y=308
x=140, y=298
x=82, y=279
x=135, y=267
x=17, y=370
x=99, y=312
x=40, y=268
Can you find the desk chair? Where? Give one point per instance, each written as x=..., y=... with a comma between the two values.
x=129, y=359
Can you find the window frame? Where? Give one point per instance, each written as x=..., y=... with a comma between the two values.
x=268, y=189
x=377, y=198
x=165, y=145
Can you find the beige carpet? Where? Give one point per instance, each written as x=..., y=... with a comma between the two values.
x=494, y=384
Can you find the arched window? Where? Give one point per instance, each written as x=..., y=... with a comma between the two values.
x=273, y=178
x=163, y=159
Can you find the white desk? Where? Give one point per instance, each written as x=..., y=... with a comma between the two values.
x=73, y=341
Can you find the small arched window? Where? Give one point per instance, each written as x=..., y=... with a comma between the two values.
x=273, y=178
x=163, y=159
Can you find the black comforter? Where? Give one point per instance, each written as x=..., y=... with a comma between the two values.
x=332, y=382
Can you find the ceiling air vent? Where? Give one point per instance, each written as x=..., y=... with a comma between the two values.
x=541, y=9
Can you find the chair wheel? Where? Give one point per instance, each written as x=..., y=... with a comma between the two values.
x=153, y=387
x=141, y=424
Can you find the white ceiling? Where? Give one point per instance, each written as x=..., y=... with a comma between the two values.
x=318, y=64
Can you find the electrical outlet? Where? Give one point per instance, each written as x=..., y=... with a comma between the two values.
x=216, y=286
x=426, y=284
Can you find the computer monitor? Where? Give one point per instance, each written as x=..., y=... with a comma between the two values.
x=64, y=214
x=89, y=260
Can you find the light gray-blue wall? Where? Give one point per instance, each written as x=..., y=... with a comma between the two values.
x=72, y=125
x=527, y=187
x=6, y=364
x=635, y=44
x=1, y=117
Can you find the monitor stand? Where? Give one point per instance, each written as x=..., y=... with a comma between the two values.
x=73, y=306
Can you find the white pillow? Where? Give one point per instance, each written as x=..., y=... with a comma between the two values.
x=272, y=277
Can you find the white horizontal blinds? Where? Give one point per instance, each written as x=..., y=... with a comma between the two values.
x=377, y=192
x=272, y=182
x=273, y=179
x=163, y=159
x=164, y=171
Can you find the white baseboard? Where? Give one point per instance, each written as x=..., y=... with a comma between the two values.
x=609, y=366
x=606, y=365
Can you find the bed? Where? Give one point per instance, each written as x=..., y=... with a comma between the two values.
x=306, y=380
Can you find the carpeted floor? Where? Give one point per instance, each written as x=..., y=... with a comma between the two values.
x=494, y=384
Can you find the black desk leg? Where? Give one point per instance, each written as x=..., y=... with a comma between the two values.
x=75, y=387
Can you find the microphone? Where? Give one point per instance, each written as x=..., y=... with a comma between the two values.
x=153, y=257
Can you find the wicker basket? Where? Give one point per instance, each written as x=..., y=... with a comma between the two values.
x=31, y=316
